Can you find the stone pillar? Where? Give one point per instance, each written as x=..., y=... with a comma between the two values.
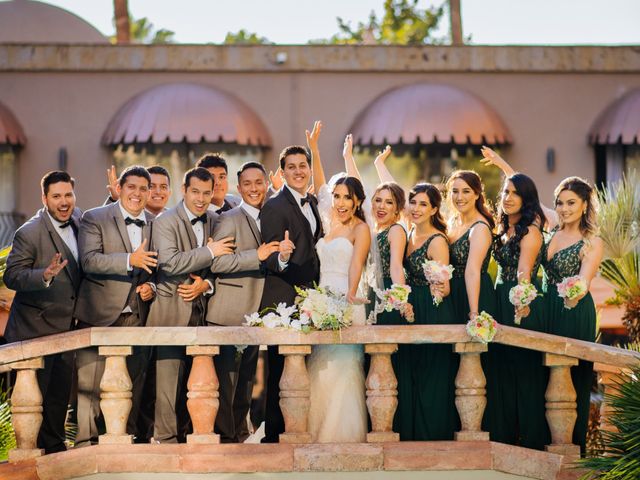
x=115, y=395
x=294, y=394
x=26, y=409
x=203, y=394
x=471, y=394
x=561, y=405
x=610, y=378
x=382, y=393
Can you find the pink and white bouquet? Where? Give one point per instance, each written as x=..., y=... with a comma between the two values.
x=323, y=309
x=571, y=288
x=521, y=296
x=394, y=298
x=482, y=327
x=435, y=272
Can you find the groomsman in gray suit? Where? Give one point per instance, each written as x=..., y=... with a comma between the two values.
x=238, y=291
x=43, y=270
x=182, y=237
x=116, y=290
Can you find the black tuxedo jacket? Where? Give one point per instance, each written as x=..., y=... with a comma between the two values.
x=281, y=212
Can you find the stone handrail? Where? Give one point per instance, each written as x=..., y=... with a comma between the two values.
x=380, y=342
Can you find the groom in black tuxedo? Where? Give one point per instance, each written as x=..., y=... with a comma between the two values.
x=291, y=214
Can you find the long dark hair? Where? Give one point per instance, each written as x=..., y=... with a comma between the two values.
x=472, y=179
x=356, y=193
x=435, y=199
x=584, y=190
x=530, y=212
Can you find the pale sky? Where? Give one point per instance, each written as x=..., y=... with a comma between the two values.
x=298, y=21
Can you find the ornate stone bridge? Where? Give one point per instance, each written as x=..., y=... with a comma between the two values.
x=471, y=454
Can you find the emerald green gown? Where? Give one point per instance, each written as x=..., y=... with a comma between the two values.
x=578, y=322
x=393, y=317
x=522, y=377
x=426, y=373
x=459, y=253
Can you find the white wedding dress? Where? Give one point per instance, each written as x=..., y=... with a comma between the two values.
x=338, y=412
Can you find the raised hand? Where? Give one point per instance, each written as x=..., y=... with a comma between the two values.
x=142, y=258
x=266, y=249
x=383, y=155
x=54, y=268
x=112, y=185
x=314, y=135
x=145, y=291
x=276, y=179
x=286, y=247
x=223, y=246
x=347, y=149
x=190, y=292
x=492, y=158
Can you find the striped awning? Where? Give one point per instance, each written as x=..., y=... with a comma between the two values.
x=11, y=132
x=185, y=113
x=619, y=122
x=427, y=113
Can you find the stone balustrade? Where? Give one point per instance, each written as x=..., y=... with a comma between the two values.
x=380, y=342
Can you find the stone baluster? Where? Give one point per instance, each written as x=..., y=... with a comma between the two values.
x=115, y=395
x=202, y=398
x=294, y=394
x=610, y=378
x=382, y=393
x=471, y=394
x=561, y=405
x=26, y=409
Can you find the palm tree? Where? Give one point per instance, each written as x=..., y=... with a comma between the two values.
x=121, y=18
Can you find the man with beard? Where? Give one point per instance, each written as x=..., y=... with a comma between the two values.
x=43, y=269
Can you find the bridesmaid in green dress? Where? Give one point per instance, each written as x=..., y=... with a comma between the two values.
x=387, y=205
x=574, y=249
x=522, y=376
x=470, y=240
x=426, y=396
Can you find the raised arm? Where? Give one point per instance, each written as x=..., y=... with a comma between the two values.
x=316, y=163
x=490, y=157
x=349, y=162
x=383, y=172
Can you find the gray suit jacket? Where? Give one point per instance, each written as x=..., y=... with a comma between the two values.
x=178, y=256
x=38, y=310
x=104, y=245
x=240, y=278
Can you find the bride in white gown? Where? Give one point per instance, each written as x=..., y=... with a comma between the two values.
x=338, y=411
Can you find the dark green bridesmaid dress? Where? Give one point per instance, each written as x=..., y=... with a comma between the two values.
x=393, y=317
x=426, y=373
x=459, y=254
x=522, y=377
x=578, y=322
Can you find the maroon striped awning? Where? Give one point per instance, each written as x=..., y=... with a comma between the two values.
x=185, y=113
x=619, y=122
x=427, y=113
x=11, y=132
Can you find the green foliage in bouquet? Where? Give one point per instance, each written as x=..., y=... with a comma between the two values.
x=4, y=254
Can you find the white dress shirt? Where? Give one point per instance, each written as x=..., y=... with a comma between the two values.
x=306, y=209
x=67, y=235
x=198, y=230
x=253, y=212
x=133, y=231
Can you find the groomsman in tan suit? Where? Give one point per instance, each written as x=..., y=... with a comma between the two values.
x=238, y=291
x=44, y=271
x=116, y=290
x=182, y=237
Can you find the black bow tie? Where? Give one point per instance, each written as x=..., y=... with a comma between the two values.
x=202, y=218
x=308, y=199
x=70, y=223
x=136, y=221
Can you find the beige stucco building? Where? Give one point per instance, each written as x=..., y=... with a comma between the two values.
x=65, y=93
